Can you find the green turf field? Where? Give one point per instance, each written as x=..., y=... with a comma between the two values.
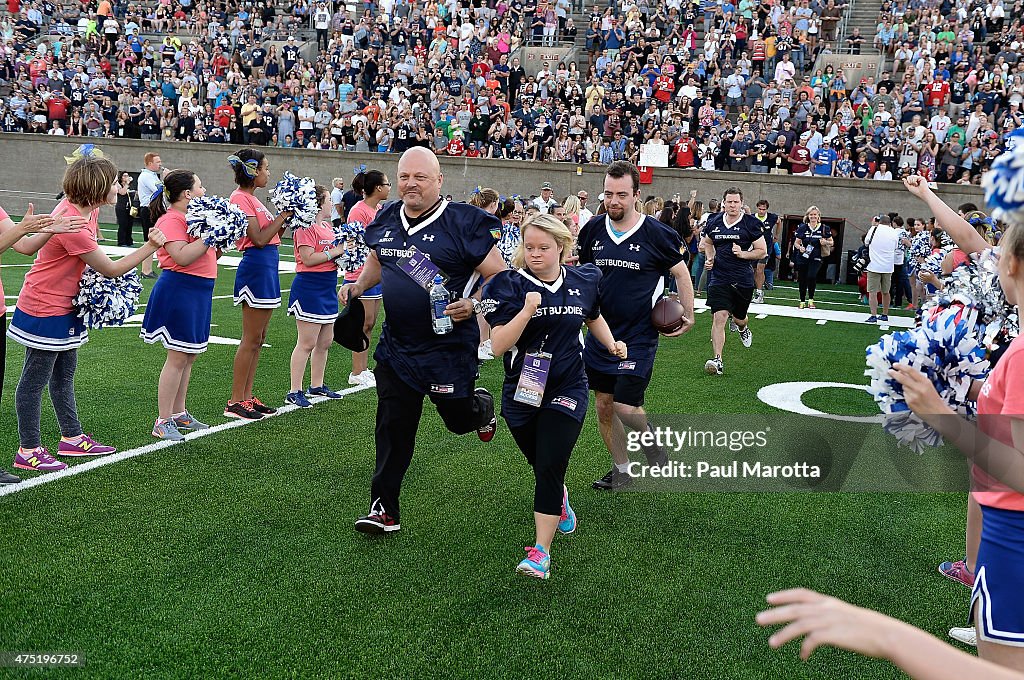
x=234, y=555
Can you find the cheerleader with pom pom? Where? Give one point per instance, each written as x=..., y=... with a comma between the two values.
x=375, y=188
x=180, y=307
x=314, y=303
x=17, y=236
x=257, y=285
x=47, y=324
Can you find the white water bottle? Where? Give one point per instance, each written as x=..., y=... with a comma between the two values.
x=438, y=301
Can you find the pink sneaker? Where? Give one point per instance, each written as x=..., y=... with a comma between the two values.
x=957, y=571
x=83, y=446
x=37, y=459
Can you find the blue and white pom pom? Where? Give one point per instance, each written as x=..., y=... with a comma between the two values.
x=947, y=347
x=298, y=195
x=351, y=236
x=933, y=263
x=103, y=302
x=216, y=221
x=920, y=246
x=1004, y=186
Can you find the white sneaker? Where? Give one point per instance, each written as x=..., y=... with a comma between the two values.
x=483, y=353
x=758, y=297
x=733, y=326
x=354, y=379
x=714, y=367
x=968, y=635
x=746, y=337
x=368, y=378
x=487, y=344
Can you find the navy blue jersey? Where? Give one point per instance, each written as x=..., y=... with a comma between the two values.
x=633, y=269
x=730, y=270
x=457, y=238
x=811, y=240
x=555, y=328
x=768, y=227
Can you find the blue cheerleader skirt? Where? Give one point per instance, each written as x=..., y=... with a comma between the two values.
x=314, y=297
x=257, y=283
x=49, y=333
x=375, y=293
x=998, y=595
x=178, y=313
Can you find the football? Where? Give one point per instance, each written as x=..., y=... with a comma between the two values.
x=667, y=315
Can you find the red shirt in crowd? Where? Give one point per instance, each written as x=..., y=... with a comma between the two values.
x=938, y=93
x=684, y=152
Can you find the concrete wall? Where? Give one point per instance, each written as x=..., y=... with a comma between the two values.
x=33, y=165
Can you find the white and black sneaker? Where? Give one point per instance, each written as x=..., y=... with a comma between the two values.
x=613, y=481
x=746, y=337
x=758, y=297
x=714, y=366
x=377, y=522
x=733, y=326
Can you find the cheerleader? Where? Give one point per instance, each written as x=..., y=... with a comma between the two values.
x=16, y=236
x=537, y=313
x=47, y=324
x=257, y=286
x=375, y=187
x=189, y=272
x=314, y=303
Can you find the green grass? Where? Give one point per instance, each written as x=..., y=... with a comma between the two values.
x=234, y=555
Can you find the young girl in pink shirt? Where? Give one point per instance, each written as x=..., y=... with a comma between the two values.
x=16, y=236
x=257, y=284
x=180, y=307
x=47, y=324
x=314, y=303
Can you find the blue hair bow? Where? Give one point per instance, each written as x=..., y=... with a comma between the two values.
x=84, y=151
x=358, y=169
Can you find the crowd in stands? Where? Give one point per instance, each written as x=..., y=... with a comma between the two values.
x=726, y=86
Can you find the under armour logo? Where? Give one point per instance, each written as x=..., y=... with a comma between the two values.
x=574, y=291
x=634, y=247
x=429, y=237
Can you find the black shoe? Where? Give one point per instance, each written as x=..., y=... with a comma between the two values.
x=262, y=408
x=613, y=481
x=486, y=433
x=241, y=410
x=7, y=478
x=151, y=275
x=656, y=457
x=377, y=522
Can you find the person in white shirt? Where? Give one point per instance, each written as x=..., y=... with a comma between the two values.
x=585, y=213
x=881, y=240
x=337, y=202
x=545, y=202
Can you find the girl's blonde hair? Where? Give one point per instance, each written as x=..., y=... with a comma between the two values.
x=807, y=213
x=654, y=206
x=551, y=226
x=1012, y=241
x=571, y=205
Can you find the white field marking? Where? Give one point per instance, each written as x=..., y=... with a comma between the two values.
x=844, y=292
x=761, y=316
x=883, y=328
x=820, y=302
x=822, y=322
x=788, y=396
x=814, y=314
x=699, y=310
x=227, y=261
x=15, y=265
x=9, y=489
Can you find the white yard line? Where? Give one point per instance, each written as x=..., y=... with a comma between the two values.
x=701, y=305
x=9, y=489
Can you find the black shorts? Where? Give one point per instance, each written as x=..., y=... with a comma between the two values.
x=730, y=298
x=624, y=388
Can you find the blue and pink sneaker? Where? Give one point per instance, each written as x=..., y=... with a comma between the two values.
x=37, y=459
x=567, y=523
x=83, y=445
x=537, y=563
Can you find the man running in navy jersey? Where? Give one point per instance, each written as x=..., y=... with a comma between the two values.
x=410, y=242
x=770, y=222
x=634, y=253
x=733, y=241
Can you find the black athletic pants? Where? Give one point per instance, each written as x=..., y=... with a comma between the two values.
x=399, y=408
x=147, y=222
x=547, y=442
x=807, y=274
